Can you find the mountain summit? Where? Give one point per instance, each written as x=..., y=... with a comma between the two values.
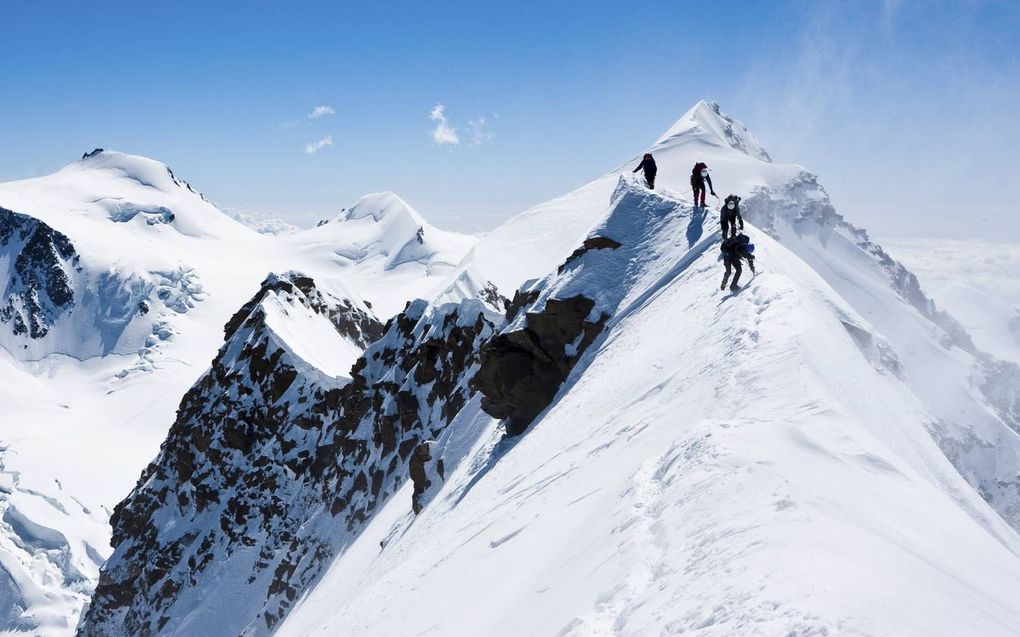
x=705, y=123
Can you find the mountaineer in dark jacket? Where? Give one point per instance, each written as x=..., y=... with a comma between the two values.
x=733, y=250
x=730, y=217
x=700, y=177
x=649, y=165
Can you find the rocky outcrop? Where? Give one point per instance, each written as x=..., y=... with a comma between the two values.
x=522, y=369
x=239, y=463
x=270, y=471
x=427, y=474
x=591, y=243
x=38, y=288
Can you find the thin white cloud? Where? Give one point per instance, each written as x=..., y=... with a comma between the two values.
x=314, y=147
x=443, y=134
x=321, y=111
x=479, y=134
x=318, y=112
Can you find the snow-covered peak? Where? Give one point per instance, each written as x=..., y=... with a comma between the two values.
x=112, y=202
x=318, y=329
x=705, y=122
x=388, y=251
x=147, y=172
x=382, y=206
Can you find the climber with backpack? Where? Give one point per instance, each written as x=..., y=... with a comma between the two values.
x=729, y=216
x=650, y=169
x=733, y=250
x=700, y=177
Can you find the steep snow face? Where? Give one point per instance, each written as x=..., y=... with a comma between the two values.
x=975, y=398
x=272, y=470
x=705, y=124
x=714, y=464
x=385, y=250
x=977, y=282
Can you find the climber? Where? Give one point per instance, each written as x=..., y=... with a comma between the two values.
x=729, y=216
x=733, y=250
x=649, y=165
x=699, y=177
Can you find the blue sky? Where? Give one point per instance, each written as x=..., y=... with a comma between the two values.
x=908, y=110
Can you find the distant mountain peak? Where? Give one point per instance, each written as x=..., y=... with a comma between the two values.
x=148, y=172
x=705, y=120
x=383, y=205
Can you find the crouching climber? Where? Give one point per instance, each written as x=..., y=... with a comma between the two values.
x=699, y=178
x=730, y=217
x=648, y=164
x=733, y=250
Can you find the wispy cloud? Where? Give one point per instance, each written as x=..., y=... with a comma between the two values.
x=478, y=131
x=443, y=134
x=321, y=111
x=314, y=147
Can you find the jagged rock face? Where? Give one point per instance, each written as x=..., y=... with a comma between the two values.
x=239, y=463
x=38, y=288
x=522, y=369
x=268, y=471
x=406, y=389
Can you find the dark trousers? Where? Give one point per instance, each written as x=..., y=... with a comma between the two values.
x=699, y=189
x=729, y=225
x=650, y=179
x=734, y=264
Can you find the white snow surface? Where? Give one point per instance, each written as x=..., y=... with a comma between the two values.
x=84, y=409
x=716, y=464
x=815, y=455
x=978, y=282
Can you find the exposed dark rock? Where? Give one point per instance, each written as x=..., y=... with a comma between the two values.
x=266, y=459
x=419, y=469
x=591, y=243
x=522, y=369
x=38, y=289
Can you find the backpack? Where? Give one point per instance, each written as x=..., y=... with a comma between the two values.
x=698, y=167
x=735, y=245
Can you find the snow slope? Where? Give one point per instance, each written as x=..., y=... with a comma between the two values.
x=975, y=398
x=147, y=271
x=715, y=465
x=975, y=281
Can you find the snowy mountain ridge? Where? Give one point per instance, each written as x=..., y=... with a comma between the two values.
x=625, y=450
x=763, y=469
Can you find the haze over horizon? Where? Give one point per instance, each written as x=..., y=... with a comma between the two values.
x=474, y=113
